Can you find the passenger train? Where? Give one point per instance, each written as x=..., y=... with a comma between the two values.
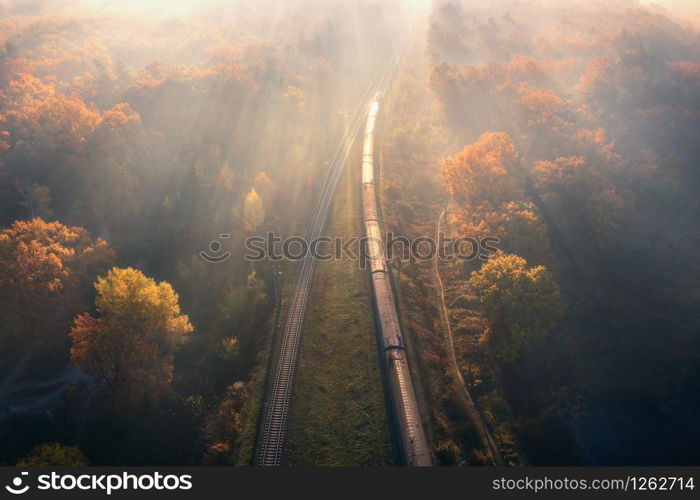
x=414, y=446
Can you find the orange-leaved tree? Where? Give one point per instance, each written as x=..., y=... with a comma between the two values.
x=44, y=269
x=484, y=173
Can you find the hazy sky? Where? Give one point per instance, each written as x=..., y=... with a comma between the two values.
x=688, y=10
x=682, y=10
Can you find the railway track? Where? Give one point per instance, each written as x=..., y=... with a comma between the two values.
x=272, y=435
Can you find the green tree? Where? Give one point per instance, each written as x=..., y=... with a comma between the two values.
x=523, y=302
x=448, y=453
x=54, y=454
x=36, y=199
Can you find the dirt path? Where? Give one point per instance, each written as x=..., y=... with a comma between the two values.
x=472, y=411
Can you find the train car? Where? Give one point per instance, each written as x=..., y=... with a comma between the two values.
x=368, y=146
x=372, y=115
x=375, y=247
x=414, y=446
x=369, y=203
x=367, y=171
x=386, y=312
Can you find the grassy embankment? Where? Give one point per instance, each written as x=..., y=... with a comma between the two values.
x=338, y=415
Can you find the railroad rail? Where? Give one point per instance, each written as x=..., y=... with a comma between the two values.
x=273, y=431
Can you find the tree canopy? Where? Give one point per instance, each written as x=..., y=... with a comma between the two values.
x=523, y=302
x=44, y=269
x=253, y=211
x=485, y=172
x=128, y=347
x=54, y=455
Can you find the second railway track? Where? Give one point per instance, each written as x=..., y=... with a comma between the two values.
x=273, y=431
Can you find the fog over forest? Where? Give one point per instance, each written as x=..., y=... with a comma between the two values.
x=136, y=135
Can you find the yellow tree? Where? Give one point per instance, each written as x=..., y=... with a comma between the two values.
x=522, y=302
x=263, y=185
x=128, y=348
x=253, y=211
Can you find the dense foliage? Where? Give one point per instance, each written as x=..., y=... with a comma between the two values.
x=134, y=139
x=581, y=125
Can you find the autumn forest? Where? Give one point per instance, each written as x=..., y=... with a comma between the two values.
x=138, y=144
